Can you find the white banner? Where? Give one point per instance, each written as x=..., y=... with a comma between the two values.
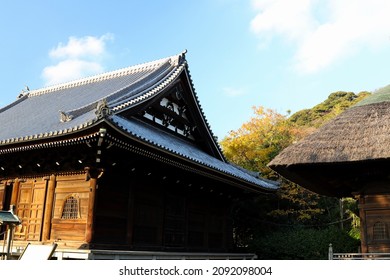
x=193, y=269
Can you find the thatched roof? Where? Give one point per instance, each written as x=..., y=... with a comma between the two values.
x=359, y=135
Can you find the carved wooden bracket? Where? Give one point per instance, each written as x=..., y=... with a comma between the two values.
x=94, y=173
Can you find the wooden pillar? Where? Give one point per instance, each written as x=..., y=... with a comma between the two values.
x=3, y=191
x=15, y=193
x=363, y=224
x=91, y=205
x=49, y=203
x=130, y=217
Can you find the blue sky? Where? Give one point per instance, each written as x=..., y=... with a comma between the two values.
x=280, y=54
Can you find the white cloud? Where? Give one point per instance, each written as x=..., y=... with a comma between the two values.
x=233, y=92
x=70, y=69
x=323, y=31
x=291, y=19
x=78, y=58
x=81, y=47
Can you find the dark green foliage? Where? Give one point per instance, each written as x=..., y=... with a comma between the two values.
x=303, y=243
x=290, y=229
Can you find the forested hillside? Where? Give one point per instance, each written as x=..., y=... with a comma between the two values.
x=328, y=109
x=271, y=222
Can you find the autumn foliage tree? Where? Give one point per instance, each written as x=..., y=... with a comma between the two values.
x=258, y=141
x=254, y=145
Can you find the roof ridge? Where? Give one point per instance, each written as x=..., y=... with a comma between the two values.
x=106, y=75
x=113, y=96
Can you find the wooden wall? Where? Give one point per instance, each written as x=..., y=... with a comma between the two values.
x=40, y=204
x=132, y=211
x=375, y=222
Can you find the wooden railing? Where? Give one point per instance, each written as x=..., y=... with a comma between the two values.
x=357, y=256
x=60, y=254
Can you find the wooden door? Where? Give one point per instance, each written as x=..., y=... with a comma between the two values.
x=30, y=208
x=23, y=209
x=35, y=221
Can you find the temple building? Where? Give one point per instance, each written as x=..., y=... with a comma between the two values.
x=349, y=157
x=124, y=161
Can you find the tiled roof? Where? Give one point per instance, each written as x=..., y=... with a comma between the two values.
x=37, y=114
x=185, y=150
x=74, y=106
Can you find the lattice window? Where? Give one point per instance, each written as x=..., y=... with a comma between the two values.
x=71, y=209
x=379, y=231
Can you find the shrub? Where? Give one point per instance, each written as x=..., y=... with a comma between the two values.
x=303, y=243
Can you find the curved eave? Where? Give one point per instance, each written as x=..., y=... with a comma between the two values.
x=245, y=181
x=47, y=135
x=48, y=140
